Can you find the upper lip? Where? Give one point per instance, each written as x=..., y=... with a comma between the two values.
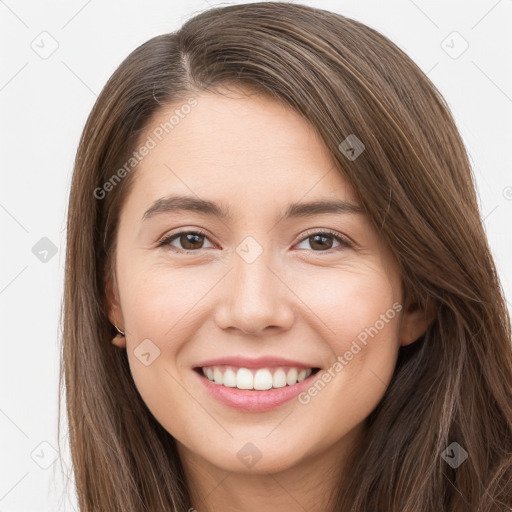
x=258, y=362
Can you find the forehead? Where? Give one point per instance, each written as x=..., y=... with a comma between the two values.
x=240, y=146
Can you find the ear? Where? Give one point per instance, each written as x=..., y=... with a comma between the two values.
x=115, y=314
x=416, y=320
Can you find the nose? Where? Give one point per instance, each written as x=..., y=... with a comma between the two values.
x=257, y=298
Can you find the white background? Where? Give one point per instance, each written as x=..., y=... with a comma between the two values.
x=44, y=104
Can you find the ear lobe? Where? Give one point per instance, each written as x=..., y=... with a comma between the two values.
x=416, y=320
x=119, y=341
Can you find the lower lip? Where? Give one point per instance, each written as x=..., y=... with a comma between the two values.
x=250, y=400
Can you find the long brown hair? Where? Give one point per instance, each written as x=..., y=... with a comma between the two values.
x=414, y=181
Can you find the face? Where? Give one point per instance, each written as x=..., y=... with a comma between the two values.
x=264, y=296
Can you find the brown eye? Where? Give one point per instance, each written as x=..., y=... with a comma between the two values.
x=189, y=241
x=323, y=241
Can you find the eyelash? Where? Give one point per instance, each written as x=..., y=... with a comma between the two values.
x=344, y=243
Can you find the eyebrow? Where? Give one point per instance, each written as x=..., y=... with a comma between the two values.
x=177, y=203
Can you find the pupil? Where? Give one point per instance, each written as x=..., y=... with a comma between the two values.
x=191, y=241
x=323, y=238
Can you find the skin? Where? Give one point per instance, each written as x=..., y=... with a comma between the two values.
x=298, y=299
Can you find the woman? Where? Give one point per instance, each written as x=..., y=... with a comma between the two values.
x=279, y=293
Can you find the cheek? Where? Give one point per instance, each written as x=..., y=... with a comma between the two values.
x=157, y=306
x=159, y=301
x=351, y=300
x=361, y=310
x=359, y=374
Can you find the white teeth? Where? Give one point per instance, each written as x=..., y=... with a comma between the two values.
x=260, y=379
x=279, y=379
x=291, y=377
x=229, y=378
x=244, y=379
x=263, y=379
x=218, y=376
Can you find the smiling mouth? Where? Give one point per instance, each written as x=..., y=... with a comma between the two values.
x=256, y=379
